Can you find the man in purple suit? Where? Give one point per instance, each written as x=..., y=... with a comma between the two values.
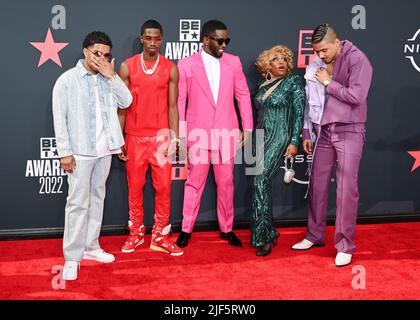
x=338, y=125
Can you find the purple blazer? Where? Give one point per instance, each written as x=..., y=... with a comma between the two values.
x=348, y=91
x=346, y=94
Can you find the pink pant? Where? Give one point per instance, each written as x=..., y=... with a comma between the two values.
x=194, y=186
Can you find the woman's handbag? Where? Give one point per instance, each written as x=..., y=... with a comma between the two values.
x=290, y=173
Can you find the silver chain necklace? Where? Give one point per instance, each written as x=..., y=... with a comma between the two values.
x=143, y=65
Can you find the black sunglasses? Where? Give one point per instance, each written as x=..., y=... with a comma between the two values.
x=99, y=54
x=220, y=41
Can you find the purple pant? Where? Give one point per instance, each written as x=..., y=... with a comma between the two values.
x=340, y=144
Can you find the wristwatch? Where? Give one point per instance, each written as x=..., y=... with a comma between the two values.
x=326, y=82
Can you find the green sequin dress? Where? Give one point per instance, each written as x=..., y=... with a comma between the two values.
x=281, y=118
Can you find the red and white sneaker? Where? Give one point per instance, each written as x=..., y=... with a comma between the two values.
x=161, y=242
x=135, y=238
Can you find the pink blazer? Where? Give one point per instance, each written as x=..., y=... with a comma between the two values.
x=209, y=124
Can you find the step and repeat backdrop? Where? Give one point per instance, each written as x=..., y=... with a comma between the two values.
x=42, y=39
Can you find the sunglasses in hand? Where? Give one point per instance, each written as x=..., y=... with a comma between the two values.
x=99, y=54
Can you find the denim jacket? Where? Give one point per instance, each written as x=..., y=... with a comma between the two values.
x=74, y=113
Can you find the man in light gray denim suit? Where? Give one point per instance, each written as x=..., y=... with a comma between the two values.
x=88, y=133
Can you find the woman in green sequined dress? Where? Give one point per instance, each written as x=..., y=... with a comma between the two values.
x=279, y=101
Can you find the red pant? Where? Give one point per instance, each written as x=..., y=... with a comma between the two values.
x=141, y=152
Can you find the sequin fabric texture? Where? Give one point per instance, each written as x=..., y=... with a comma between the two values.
x=280, y=115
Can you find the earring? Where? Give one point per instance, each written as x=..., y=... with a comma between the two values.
x=268, y=74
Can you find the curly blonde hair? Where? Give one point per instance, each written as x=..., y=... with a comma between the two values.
x=263, y=60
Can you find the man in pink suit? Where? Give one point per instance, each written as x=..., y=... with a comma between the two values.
x=209, y=82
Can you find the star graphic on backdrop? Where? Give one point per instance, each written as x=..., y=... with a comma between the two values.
x=49, y=49
x=415, y=155
x=55, y=152
x=194, y=35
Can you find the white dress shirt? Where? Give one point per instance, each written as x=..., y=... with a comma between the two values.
x=212, y=66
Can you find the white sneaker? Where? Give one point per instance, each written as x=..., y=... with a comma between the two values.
x=342, y=259
x=303, y=245
x=70, y=270
x=99, y=255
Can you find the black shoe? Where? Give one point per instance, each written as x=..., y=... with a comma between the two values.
x=276, y=239
x=264, y=250
x=183, y=238
x=231, y=238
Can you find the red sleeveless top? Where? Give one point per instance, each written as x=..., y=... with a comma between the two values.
x=148, y=112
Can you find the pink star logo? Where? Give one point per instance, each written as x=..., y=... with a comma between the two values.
x=415, y=155
x=49, y=49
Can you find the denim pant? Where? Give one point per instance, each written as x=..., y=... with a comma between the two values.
x=84, y=208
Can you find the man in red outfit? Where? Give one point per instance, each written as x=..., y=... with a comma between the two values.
x=151, y=128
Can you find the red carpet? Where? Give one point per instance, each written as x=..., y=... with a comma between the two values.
x=211, y=269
